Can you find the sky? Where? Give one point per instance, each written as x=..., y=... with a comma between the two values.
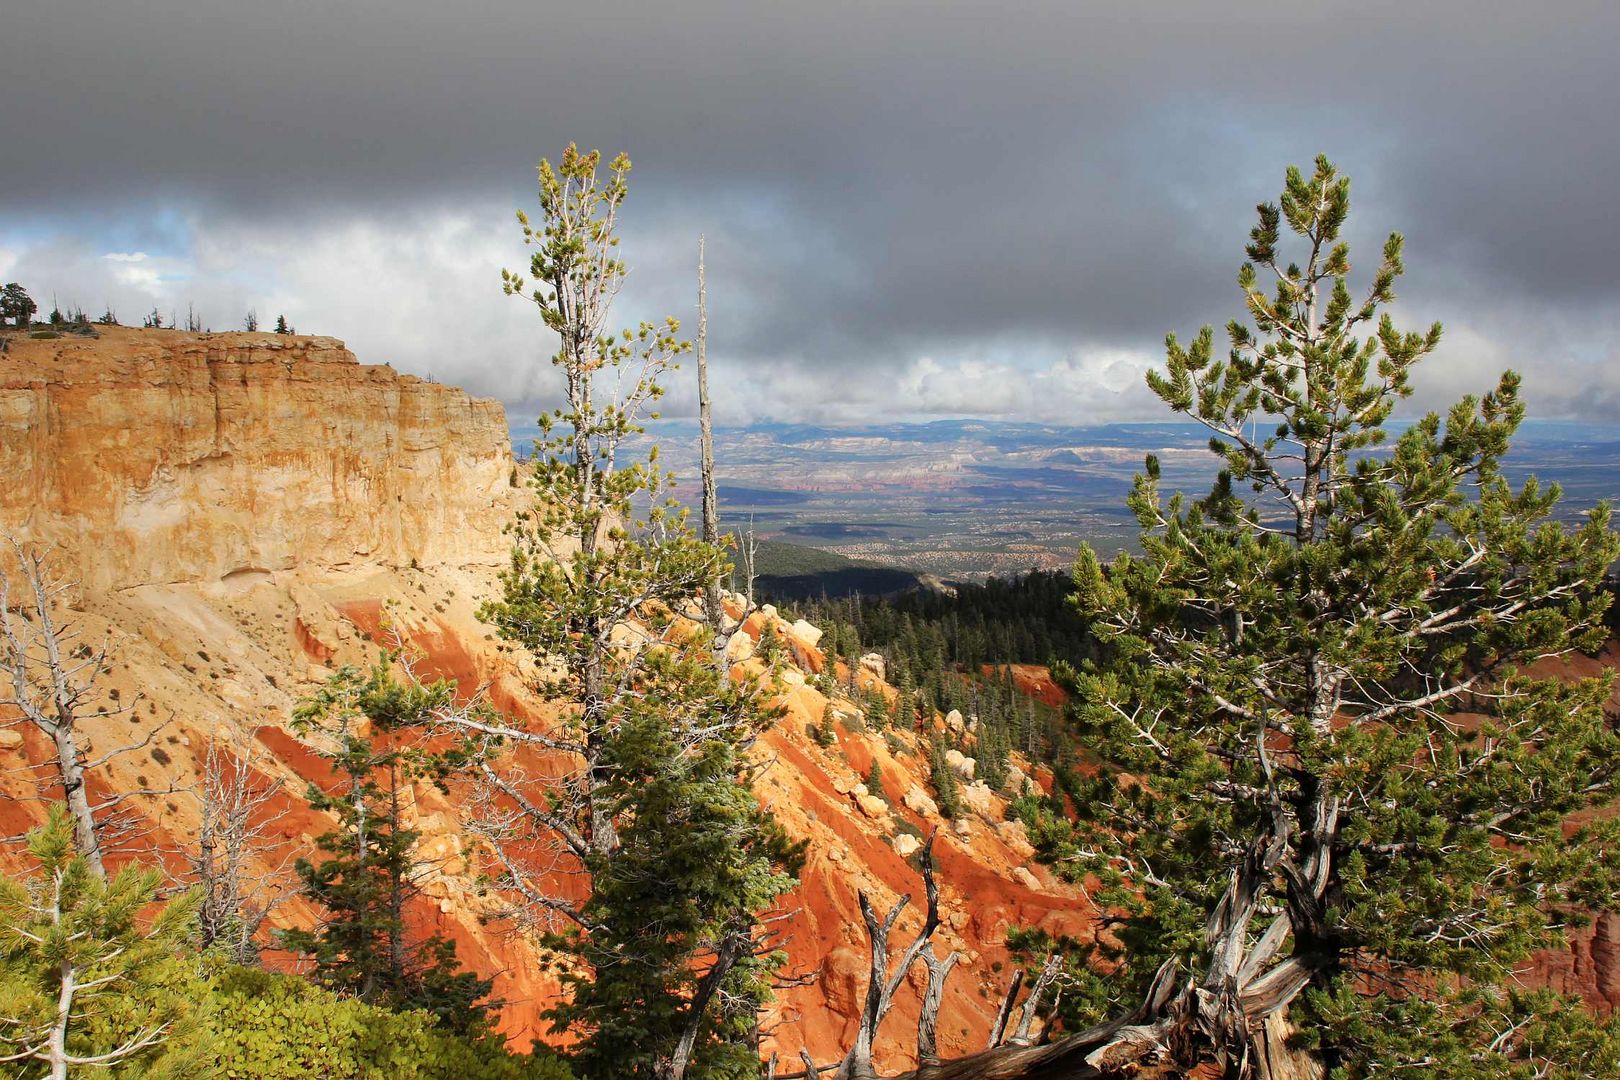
x=912, y=210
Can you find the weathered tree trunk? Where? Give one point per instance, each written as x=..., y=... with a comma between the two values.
x=1179, y=1026
x=47, y=686
x=70, y=769
x=928, y=1017
x=999, y=1028
x=1024, y=1036
x=56, y=1048
x=881, y=985
x=725, y=958
x=232, y=824
x=712, y=609
x=858, y=1064
x=1275, y=1059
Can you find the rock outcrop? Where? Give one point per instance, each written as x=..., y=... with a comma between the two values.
x=198, y=457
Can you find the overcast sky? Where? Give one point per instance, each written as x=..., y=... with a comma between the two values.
x=917, y=209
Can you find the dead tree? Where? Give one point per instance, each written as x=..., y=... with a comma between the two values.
x=51, y=681
x=49, y=673
x=1125, y=1046
x=712, y=607
x=881, y=985
x=748, y=552
x=1024, y=1035
x=714, y=612
x=999, y=1029
x=233, y=905
x=1173, y=1023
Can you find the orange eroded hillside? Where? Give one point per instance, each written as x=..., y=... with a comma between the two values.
x=242, y=509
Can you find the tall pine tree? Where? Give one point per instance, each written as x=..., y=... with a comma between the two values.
x=1339, y=754
x=643, y=761
x=675, y=959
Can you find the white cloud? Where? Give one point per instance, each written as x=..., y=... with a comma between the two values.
x=975, y=387
x=421, y=290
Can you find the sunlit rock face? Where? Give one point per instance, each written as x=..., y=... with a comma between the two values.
x=184, y=457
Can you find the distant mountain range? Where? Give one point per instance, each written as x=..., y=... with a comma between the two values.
x=964, y=498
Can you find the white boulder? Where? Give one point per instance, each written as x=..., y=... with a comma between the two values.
x=918, y=801
x=807, y=633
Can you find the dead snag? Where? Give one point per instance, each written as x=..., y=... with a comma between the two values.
x=881, y=985
x=50, y=680
x=712, y=609
x=235, y=824
x=1032, y=1004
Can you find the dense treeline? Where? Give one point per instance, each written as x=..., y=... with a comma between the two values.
x=793, y=572
x=1027, y=619
x=947, y=651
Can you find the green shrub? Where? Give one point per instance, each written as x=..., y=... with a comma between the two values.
x=825, y=734
x=278, y=1027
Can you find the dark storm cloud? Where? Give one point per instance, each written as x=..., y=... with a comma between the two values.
x=880, y=181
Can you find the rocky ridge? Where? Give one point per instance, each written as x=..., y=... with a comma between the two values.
x=153, y=456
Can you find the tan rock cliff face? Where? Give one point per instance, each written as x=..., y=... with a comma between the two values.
x=193, y=457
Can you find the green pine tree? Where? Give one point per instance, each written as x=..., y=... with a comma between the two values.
x=874, y=780
x=91, y=980
x=947, y=788
x=16, y=305
x=369, y=872
x=1333, y=783
x=991, y=754
x=671, y=964
x=665, y=964
x=876, y=708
